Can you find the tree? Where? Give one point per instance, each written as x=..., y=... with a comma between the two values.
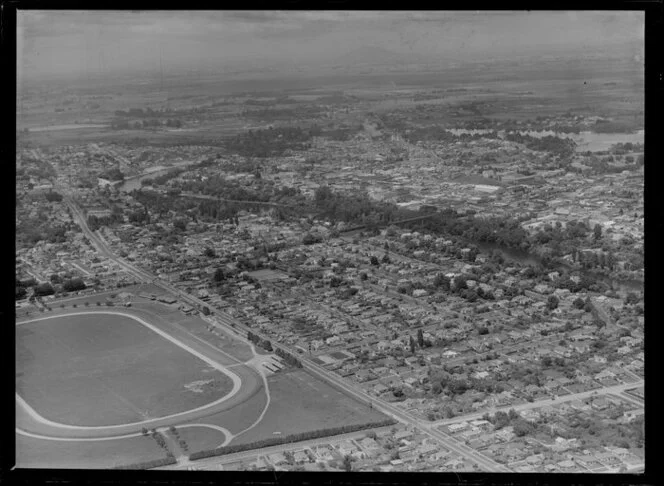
x=579, y=303
x=441, y=281
x=374, y=260
x=460, y=283
x=74, y=285
x=412, y=345
x=597, y=231
x=347, y=463
x=420, y=338
x=219, y=275
x=522, y=427
x=20, y=293
x=632, y=298
x=44, y=289
x=471, y=296
x=209, y=252
x=552, y=302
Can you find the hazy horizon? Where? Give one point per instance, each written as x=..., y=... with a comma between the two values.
x=79, y=43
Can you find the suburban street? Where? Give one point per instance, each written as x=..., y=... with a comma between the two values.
x=316, y=370
x=212, y=462
x=611, y=390
x=333, y=379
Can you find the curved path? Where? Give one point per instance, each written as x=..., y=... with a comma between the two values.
x=228, y=436
x=246, y=381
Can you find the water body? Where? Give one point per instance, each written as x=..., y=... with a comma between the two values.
x=526, y=258
x=134, y=182
x=585, y=141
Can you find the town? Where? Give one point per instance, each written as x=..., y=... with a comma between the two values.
x=476, y=278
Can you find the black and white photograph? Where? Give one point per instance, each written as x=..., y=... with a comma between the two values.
x=330, y=241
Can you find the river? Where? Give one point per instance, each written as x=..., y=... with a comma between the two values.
x=134, y=182
x=526, y=258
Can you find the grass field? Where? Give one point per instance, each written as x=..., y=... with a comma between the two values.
x=300, y=403
x=106, y=370
x=103, y=454
x=200, y=438
x=199, y=327
x=237, y=418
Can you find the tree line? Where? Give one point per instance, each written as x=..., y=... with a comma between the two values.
x=288, y=358
x=166, y=461
x=273, y=441
x=263, y=343
x=271, y=142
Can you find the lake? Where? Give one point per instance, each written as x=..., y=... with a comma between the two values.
x=134, y=182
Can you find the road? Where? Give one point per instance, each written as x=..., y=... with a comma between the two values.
x=617, y=390
x=211, y=462
x=316, y=370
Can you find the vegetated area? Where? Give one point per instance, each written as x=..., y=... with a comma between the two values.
x=301, y=403
x=89, y=454
x=108, y=369
x=191, y=439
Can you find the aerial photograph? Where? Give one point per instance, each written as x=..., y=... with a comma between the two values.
x=330, y=241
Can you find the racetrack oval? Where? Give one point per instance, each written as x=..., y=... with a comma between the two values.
x=245, y=383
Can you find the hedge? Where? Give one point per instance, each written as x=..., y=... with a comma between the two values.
x=166, y=461
x=273, y=441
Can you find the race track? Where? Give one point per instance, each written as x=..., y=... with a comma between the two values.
x=247, y=381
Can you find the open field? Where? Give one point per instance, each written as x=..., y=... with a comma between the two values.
x=108, y=369
x=236, y=419
x=198, y=328
x=98, y=454
x=200, y=438
x=300, y=403
x=516, y=90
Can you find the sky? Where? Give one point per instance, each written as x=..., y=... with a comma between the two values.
x=77, y=43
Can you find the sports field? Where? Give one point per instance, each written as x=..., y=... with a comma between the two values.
x=97, y=369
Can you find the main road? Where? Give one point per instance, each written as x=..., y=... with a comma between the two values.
x=229, y=322
x=610, y=390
